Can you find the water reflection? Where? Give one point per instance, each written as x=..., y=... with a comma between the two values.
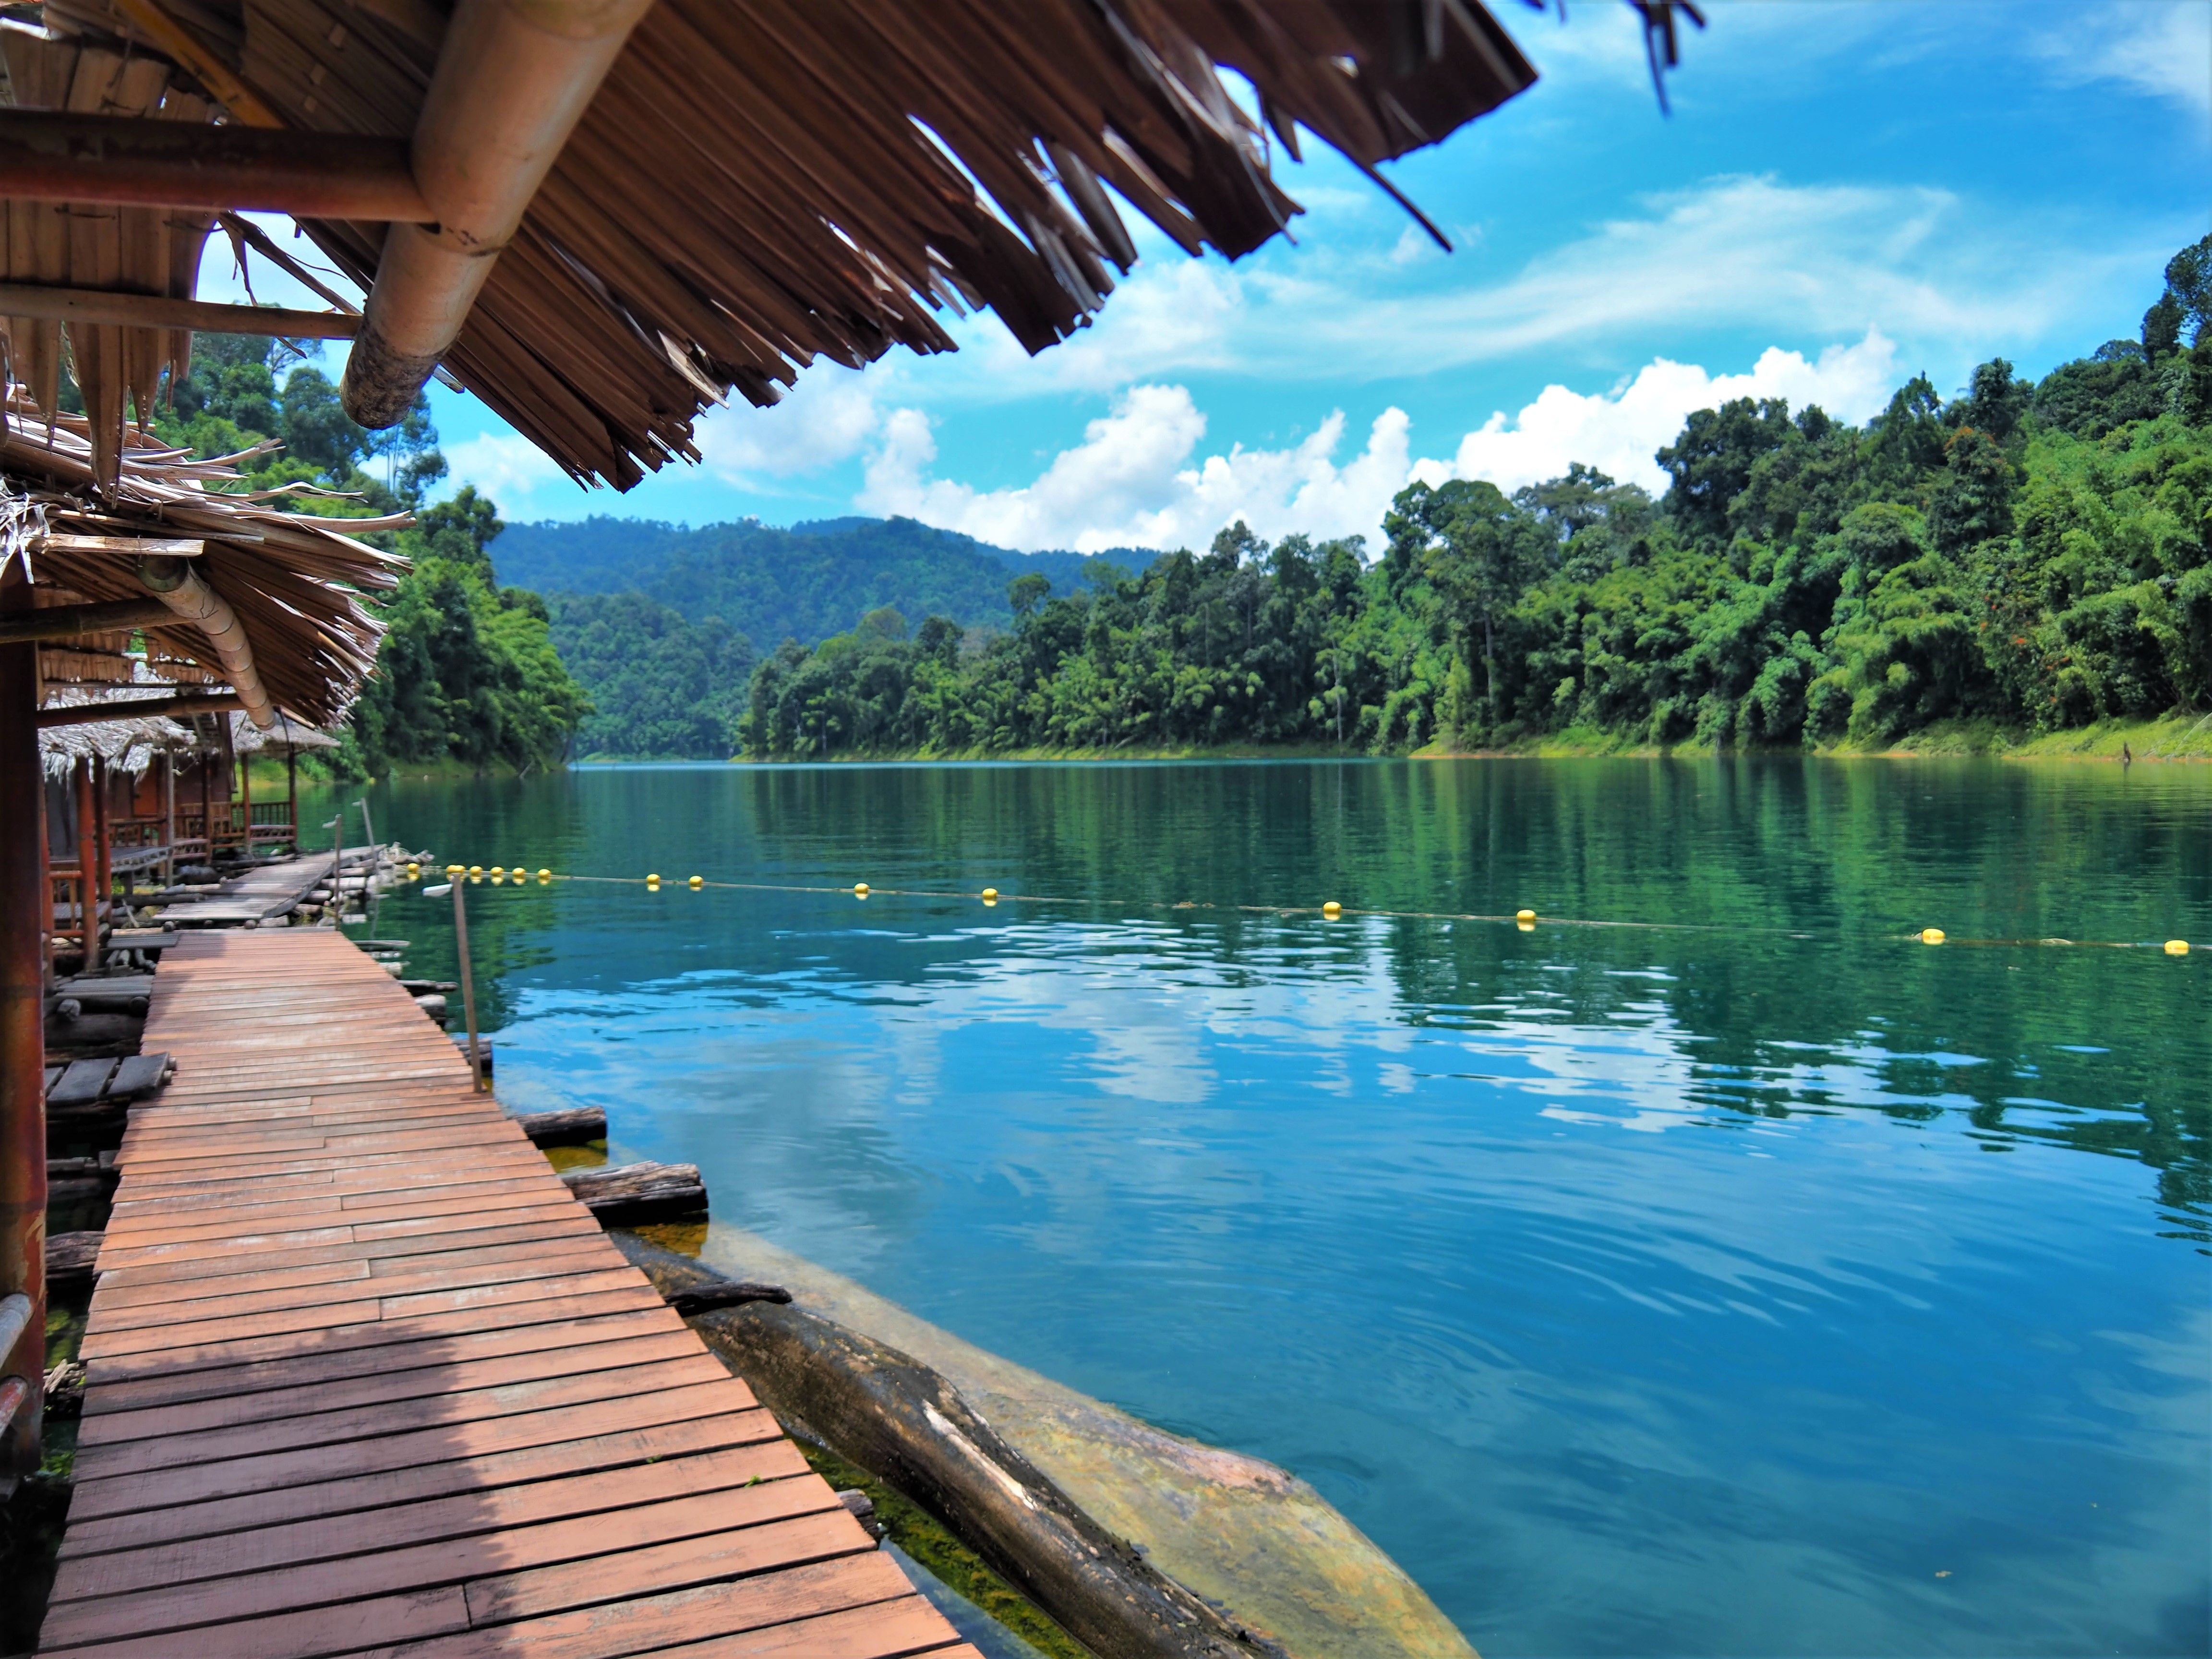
x=1669, y=1292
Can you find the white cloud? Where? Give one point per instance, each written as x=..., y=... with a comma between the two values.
x=1122, y=475
x=1138, y=478
x=1617, y=431
x=2162, y=47
x=503, y=465
x=824, y=419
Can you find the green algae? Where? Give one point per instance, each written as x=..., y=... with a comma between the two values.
x=924, y=1538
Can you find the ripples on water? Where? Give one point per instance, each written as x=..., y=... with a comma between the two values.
x=1763, y=1283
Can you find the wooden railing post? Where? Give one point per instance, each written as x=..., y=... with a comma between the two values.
x=22, y=1042
x=88, y=861
x=103, y=841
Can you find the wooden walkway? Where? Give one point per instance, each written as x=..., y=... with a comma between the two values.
x=363, y=1377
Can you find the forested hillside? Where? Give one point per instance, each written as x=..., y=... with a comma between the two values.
x=467, y=672
x=2035, y=557
x=660, y=622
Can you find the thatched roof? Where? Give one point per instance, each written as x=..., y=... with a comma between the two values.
x=760, y=183
x=288, y=735
x=129, y=745
x=292, y=578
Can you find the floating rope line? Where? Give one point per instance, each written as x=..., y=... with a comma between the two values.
x=1331, y=910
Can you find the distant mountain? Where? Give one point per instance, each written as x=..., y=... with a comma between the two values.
x=805, y=583
x=662, y=624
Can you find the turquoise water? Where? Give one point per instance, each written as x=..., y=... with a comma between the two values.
x=1757, y=1281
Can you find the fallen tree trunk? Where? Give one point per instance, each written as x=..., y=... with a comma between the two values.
x=637, y=1193
x=900, y=1420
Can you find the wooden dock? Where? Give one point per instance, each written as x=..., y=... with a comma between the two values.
x=363, y=1376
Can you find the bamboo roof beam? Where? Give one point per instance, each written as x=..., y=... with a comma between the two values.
x=69, y=622
x=179, y=586
x=52, y=156
x=182, y=705
x=86, y=305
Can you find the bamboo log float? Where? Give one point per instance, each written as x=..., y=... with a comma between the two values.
x=633, y=1193
x=903, y=1421
x=48, y=155
x=180, y=588
x=564, y=1129
x=86, y=305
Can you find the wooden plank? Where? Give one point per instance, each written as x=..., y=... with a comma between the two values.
x=575, y=1337
x=80, y=1083
x=383, y=1387
x=189, y=1483
x=648, y=1623
x=363, y=1374
x=723, y=1517
x=462, y=1515
x=222, y=1353
x=283, y=1504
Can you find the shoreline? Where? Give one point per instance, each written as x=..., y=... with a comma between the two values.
x=2186, y=737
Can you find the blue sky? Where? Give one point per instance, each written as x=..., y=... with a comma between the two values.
x=1844, y=195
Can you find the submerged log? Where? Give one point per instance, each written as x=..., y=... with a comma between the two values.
x=635, y=1192
x=565, y=1128
x=903, y=1421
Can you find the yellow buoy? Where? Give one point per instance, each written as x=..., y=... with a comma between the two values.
x=544, y=875
x=859, y=889
x=1931, y=936
x=990, y=896
x=475, y=870
x=652, y=880
x=414, y=868
x=697, y=881
x=1332, y=908
x=2177, y=947
x=1524, y=915
x=497, y=871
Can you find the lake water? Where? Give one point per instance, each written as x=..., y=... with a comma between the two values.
x=1754, y=1280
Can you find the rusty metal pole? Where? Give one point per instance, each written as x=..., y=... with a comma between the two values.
x=22, y=1040
x=169, y=817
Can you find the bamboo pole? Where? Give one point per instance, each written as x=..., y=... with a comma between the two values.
x=89, y=305
x=25, y=916
x=513, y=78
x=182, y=705
x=468, y=981
x=132, y=161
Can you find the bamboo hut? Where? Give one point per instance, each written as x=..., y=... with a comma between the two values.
x=600, y=218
